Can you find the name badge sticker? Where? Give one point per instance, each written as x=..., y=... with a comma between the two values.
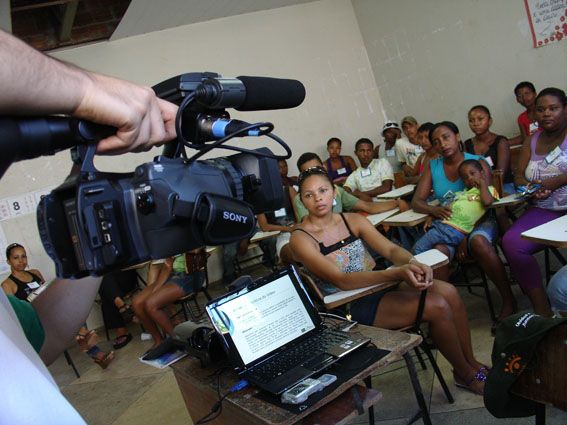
x=391, y=152
x=280, y=213
x=341, y=170
x=533, y=127
x=33, y=285
x=553, y=155
x=489, y=161
x=365, y=172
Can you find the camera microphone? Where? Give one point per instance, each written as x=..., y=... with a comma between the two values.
x=250, y=93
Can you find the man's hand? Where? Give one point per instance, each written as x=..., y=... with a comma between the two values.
x=142, y=119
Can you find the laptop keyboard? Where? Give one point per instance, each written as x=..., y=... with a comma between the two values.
x=308, y=353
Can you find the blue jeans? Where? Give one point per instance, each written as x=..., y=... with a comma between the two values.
x=557, y=290
x=439, y=234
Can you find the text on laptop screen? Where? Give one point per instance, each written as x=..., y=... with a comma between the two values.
x=263, y=319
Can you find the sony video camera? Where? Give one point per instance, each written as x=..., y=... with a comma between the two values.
x=97, y=222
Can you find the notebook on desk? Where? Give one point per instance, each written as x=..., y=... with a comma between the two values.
x=274, y=335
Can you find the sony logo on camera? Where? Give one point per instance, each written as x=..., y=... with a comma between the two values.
x=237, y=218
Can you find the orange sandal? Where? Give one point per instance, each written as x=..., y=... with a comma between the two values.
x=105, y=360
x=86, y=341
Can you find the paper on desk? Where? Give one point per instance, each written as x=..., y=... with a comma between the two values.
x=553, y=231
x=397, y=193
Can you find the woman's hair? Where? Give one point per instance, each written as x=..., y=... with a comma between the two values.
x=552, y=91
x=313, y=171
x=482, y=108
x=334, y=139
x=307, y=156
x=450, y=125
x=10, y=248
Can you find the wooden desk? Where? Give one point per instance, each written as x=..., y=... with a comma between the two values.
x=543, y=380
x=408, y=189
x=408, y=218
x=198, y=387
x=552, y=233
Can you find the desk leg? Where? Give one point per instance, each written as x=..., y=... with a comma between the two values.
x=368, y=383
x=540, y=414
x=423, y=411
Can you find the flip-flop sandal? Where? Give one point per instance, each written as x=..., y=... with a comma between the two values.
x=479, y=376
x=121, y=341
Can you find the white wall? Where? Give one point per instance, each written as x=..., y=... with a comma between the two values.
x=317, y=43
x=436, y=59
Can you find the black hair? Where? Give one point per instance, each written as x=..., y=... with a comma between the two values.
x=472, y=162
x=313, y=171
x=482, y=108
x=305, y=157
x=450, y=125
x=426, y=126
x=362, y=141
x=524, y=84
x=552, y=91
x=10, y=248
x=334, y=139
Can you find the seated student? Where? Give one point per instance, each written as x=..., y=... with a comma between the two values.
x=492, y=147
x=339, y=167
x=286, y=180
x=390, y=132
x=373, y=177
x=557, y=292
x=333, y=248
x=116, y=312
x=408, y=148
x=179, y=276
x=344, y=201
x=20, y=285
x=543, y=160
x=467, y=209
x=525, y=95
x=428, y=154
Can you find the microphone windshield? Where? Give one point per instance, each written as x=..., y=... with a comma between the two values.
x=265, y=93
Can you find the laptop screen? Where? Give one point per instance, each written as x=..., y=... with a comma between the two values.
x=263, y=317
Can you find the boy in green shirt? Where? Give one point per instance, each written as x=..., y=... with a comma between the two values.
x=467, y=208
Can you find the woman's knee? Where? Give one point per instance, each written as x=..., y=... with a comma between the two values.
x=480, y=246
x=436, y=308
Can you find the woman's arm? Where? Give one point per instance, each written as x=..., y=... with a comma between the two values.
x=9, y=287
x=523, y=160
x=419, y=200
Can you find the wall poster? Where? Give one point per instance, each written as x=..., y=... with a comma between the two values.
x=548, y=20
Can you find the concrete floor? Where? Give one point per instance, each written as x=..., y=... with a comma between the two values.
x=130, y=392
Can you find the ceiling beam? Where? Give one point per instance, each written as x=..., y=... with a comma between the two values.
x=68, y=20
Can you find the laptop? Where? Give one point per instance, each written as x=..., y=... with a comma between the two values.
x=273, y=334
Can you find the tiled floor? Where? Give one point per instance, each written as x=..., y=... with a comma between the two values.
x=130, y=392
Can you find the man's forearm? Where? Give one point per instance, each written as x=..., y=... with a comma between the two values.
x=37, y=83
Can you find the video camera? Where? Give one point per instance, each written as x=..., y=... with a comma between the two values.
x=97, y=222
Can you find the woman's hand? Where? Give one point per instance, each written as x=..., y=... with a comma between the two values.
x=427, y=223
x=443, y=213
x=418, y=275
x=462, y=250
x=403, y=205
x=544, y=191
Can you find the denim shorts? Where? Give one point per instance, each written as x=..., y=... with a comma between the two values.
x=187, y=282
x=439, y=234
x=487, y=227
